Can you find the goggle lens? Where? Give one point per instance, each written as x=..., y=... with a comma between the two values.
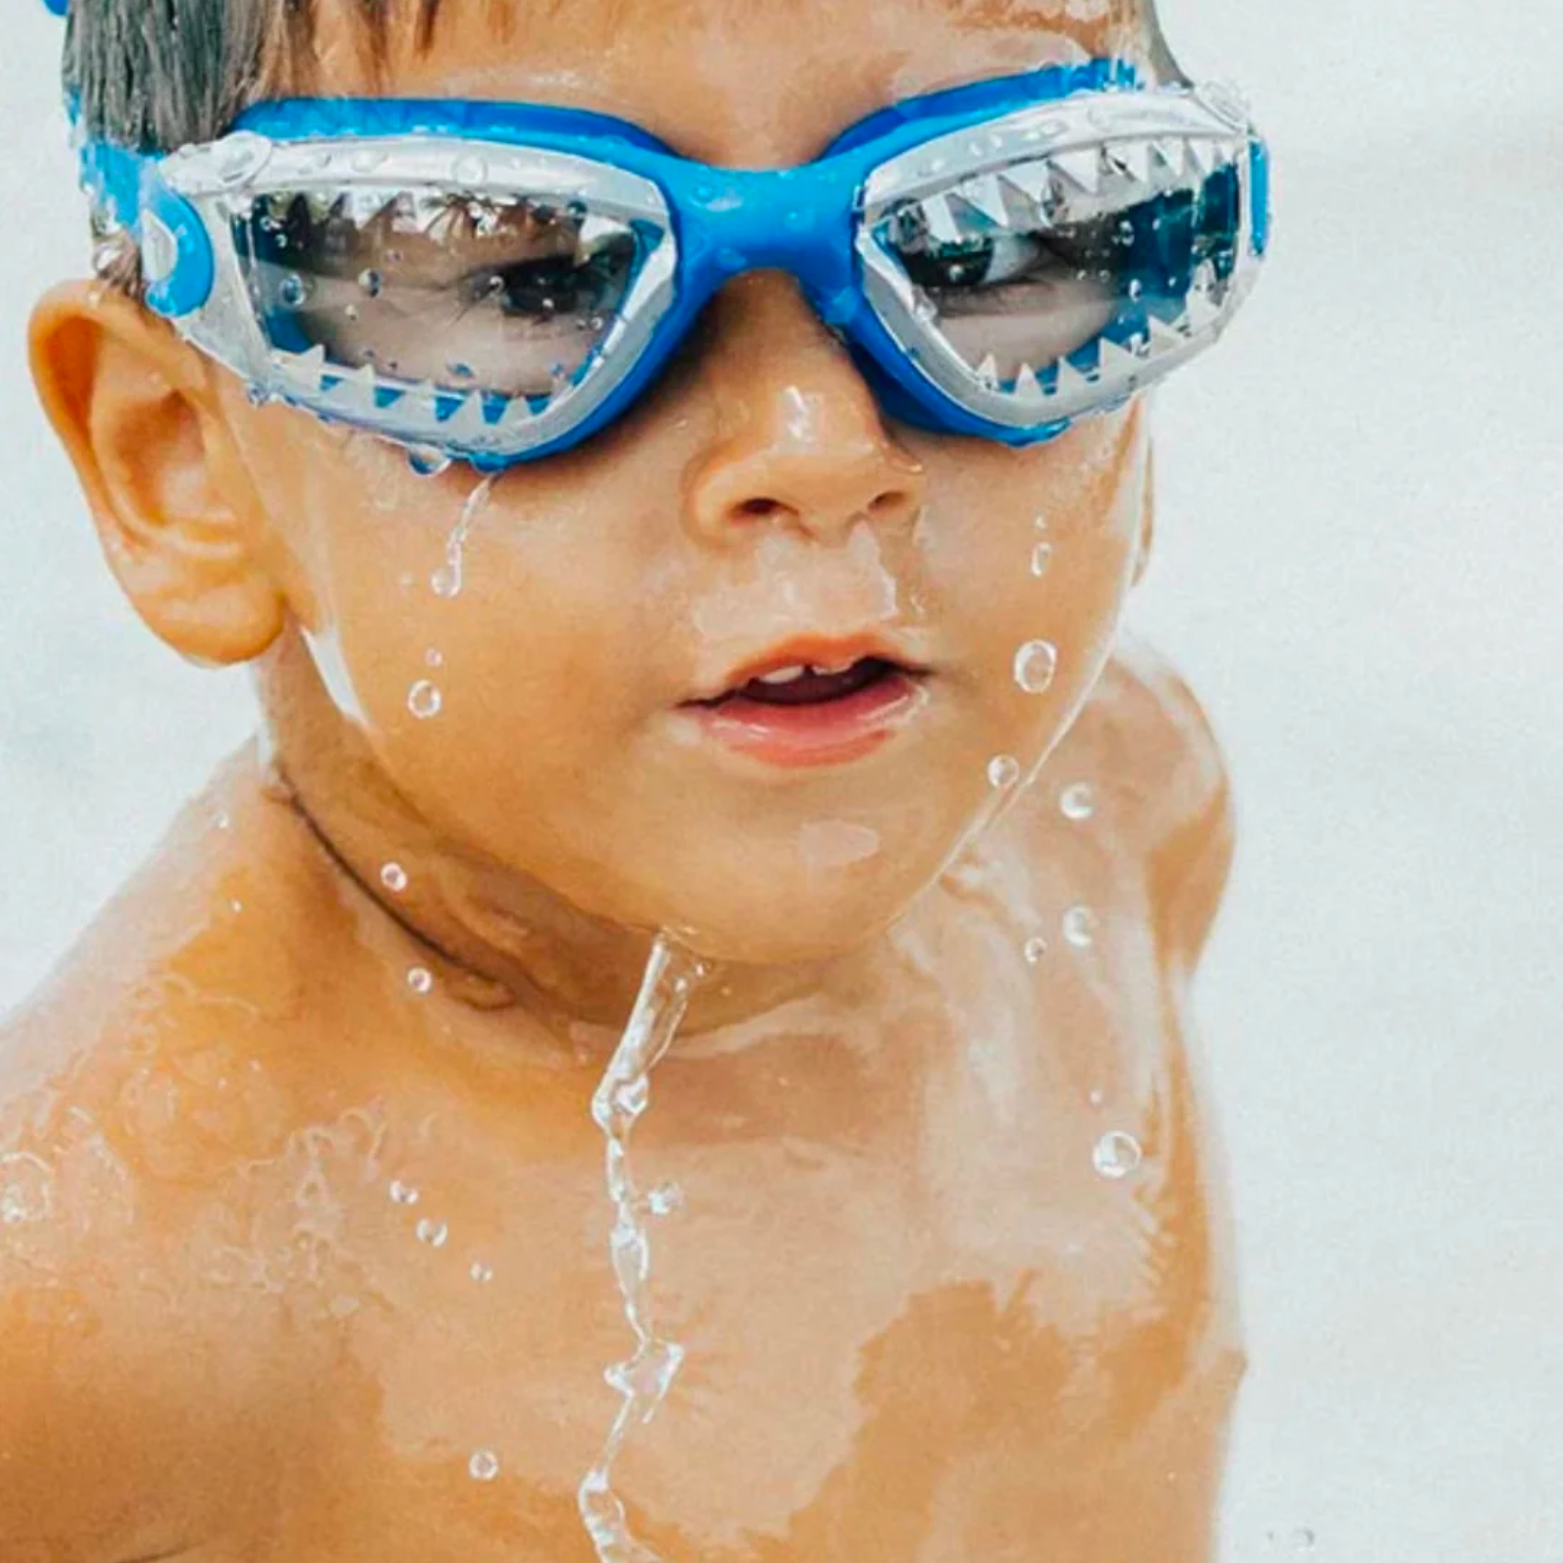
x=1024, y=272
x=500, y=299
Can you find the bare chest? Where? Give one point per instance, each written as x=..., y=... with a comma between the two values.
x=941, y=1257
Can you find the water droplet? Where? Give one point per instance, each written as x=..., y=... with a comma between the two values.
x=1040, y=523
x=433, y=658
x=424, y=700
x=1117, y=1155
x=481, y=1273
x=224, y=821
x=1097, y=1097
x=420, y=979
x=445, y=583
x=26, y=1189
x=1003, y=772
x=1041, y=559
x=483, y=1466
x=367, y=160
x=1080, y=927
x=371, y=282
x=432, y=1232
x=394, y=877
x=1078, y=802
x=236, y=907
x=469, y=170
x=293, y=290
x=429, y=461
x=665, y=1199
x=403, y=1193
x=1036, y=665
x=1036, y=950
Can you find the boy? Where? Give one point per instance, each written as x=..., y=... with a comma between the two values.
x=303, y=1255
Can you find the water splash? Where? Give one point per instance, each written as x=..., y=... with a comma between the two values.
x=644, y=1379
x=447, y=581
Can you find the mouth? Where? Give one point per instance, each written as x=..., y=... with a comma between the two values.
x=814, y=704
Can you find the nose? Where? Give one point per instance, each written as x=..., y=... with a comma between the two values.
x=798, y=441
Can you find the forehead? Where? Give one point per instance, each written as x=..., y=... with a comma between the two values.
x=748, y=83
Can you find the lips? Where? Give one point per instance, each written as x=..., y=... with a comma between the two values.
x=814, y=702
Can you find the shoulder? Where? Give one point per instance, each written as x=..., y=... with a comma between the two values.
x=1160, y=766
x=131, y=1105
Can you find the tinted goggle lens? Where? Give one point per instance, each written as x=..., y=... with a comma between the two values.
x=1016, y=270
x=506, y=296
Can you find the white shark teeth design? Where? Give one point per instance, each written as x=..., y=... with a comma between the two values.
x=467, y=425
x=1071, y=382
x=1129, y=158
x=1202, y=312
x=1165, y=338
x=1083, y=167
x=1033, y=180
x=518, y=417
x=988, y=372
x=941, y=222
x=987, y=196
x=1118, y=362
x=356, y=392
x=1028, y=389
x=301, y=371
x=1205, y=156
x=422, y=400
x=1171, y=153
x=595, y=229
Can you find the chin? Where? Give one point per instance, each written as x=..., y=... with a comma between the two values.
x=802, y=918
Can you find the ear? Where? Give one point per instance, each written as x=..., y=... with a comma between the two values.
x=1147, y=537
x=135, y=408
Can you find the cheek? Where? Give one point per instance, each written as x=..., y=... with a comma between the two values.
x=1034, y=554
x=486, y=635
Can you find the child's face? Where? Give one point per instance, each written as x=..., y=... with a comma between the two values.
x=757, y=497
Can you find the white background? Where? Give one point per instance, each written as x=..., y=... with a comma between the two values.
x=1358, y=567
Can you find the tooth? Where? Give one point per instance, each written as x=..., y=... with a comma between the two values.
x=302, y=371
x=941, y=221
x=1027, y=388
x=1134, y=159
x=467, y=424
x=355, y=390
x=1033, y=180
x=1171, y=153
x=517, y=418
x=1164, y=337
x=1202, y=314
x=783, y=676
x=988, y=372
x=1082, y=167
x=1118, y=361
x=1071, y=382
x=984, y=194
x=835, y=672
x=1203, y=157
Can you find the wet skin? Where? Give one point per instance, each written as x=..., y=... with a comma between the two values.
x=920, y=1323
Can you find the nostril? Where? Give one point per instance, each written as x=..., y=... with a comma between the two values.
x=894, y=503
x=761, y=509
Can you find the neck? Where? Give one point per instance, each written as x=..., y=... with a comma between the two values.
x=495, y=938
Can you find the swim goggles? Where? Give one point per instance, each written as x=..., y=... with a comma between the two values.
x=498, y=282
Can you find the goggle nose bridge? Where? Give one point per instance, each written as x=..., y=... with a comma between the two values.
x=797, y=220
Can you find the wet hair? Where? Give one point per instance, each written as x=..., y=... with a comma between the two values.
x=159, y=74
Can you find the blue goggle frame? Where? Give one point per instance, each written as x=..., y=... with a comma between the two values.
x=808, y=220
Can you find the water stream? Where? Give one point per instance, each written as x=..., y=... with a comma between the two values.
x=645, y=1378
